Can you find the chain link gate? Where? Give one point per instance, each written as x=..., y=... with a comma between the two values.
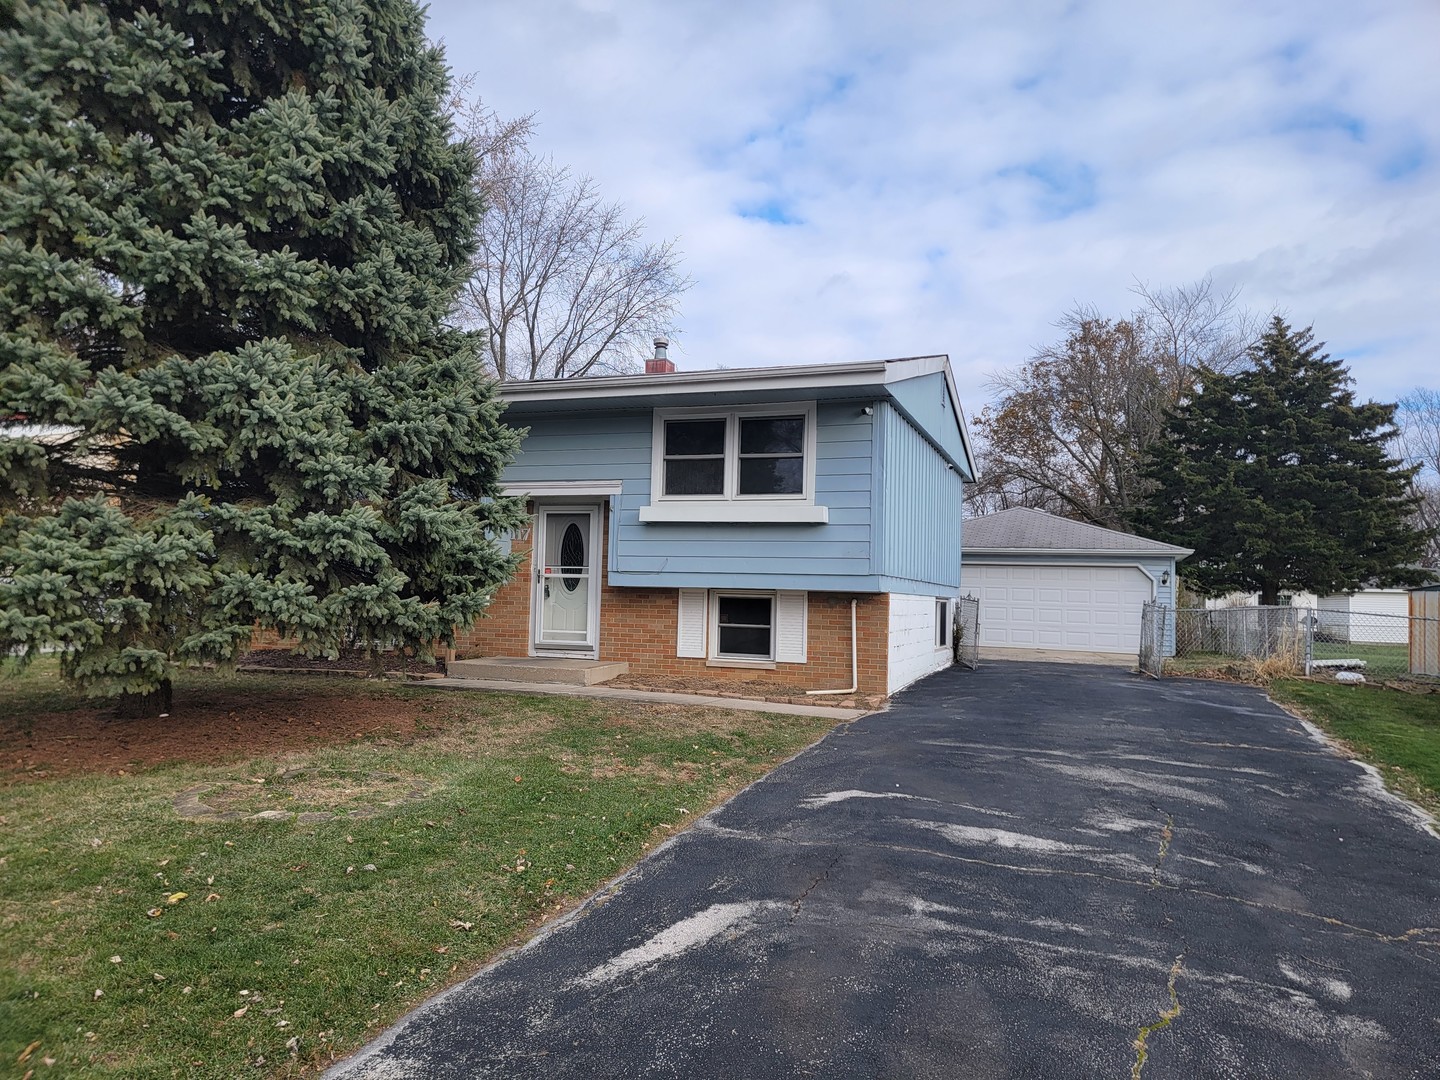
x=965, y=633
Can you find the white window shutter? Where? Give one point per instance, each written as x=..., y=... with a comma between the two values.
x=690, y=638
x=790, y=610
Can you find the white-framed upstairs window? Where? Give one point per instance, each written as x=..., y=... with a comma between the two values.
x=744, y=463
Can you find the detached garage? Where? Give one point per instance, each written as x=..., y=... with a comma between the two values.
x=1050, y=585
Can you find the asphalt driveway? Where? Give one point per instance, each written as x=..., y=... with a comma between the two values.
x=1023, y=871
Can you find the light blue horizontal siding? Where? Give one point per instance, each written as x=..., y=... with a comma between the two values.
x=585, y=446
x=616, y=446
x=806, y=579
x=920, y=517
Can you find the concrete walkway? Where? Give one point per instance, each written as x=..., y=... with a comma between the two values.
x=616, y=693
x=1026, y=871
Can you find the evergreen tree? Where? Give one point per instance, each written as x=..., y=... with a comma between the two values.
x=229, y=234
x=1280, y=480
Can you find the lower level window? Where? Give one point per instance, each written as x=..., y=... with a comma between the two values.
x=744, y=627
x=942, y=623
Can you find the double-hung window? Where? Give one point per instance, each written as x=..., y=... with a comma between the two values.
x=771, y=456
x=744, y=626
x=749, y=463
x=694, y=458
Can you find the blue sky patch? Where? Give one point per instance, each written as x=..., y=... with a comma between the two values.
x=1323, y=119
x=1059, y=187
x=1405, y=161
x=774, y=211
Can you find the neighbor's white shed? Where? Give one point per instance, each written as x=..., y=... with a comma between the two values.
x=1378, y=616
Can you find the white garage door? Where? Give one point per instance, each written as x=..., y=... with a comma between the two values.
x=1085, y=608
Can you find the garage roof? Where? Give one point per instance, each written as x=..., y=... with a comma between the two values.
x=1025, y=530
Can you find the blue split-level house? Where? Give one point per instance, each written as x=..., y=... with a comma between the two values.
x=794, y=525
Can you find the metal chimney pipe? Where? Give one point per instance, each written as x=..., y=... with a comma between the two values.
x=660, y=364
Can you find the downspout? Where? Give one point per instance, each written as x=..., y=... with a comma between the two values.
x=854, y=659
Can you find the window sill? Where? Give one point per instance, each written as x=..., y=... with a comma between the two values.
x=738, y=511
x=763, y=665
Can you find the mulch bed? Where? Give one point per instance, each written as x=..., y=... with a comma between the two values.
x=215, y=727
x=754, y=690
x=353, y=660
x=231, y=726
x=394, y=663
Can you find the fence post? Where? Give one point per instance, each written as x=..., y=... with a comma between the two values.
x=1309, y=635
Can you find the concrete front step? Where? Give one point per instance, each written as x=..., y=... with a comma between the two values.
x=536, y=669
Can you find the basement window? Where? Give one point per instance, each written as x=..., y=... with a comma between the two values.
x=744, y=626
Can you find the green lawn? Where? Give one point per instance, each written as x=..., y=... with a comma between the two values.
x=1379, y=659
x=1397, y=731
x=136, y=943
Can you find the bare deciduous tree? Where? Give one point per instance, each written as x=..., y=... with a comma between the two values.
x=563, y=282
x=1070, y=427
x=1189, y=327
x=1418, y=443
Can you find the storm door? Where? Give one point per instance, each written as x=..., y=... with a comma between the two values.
x=567, y=586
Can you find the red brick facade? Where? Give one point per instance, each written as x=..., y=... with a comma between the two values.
x=639, y=627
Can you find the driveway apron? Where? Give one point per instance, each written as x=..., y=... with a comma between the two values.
x=1022, y=871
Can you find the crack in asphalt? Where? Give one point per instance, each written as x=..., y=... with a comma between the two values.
x=822, y=876
x=1142, y=1040
x=1167, y=833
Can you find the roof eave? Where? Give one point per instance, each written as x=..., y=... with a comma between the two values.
x=791, y=377
x=1169, y=550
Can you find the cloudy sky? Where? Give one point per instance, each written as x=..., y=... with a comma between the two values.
x=856, y=180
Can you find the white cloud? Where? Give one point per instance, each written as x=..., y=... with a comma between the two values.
x=953, y=177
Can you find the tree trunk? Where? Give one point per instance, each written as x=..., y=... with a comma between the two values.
x=138, y=706
x=1269, y=595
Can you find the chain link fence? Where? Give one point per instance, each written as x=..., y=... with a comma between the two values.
x=1285, y=640
x=1156, y=627
x=966, y=632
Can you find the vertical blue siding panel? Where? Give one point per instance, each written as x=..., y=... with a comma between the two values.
x=927, y=399
x=921, y=509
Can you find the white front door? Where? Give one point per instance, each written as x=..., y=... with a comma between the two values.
x=566, y=605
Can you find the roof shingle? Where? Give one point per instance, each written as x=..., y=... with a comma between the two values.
x=1023, y=529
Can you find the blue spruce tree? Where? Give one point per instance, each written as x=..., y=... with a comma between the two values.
x=230, y=234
